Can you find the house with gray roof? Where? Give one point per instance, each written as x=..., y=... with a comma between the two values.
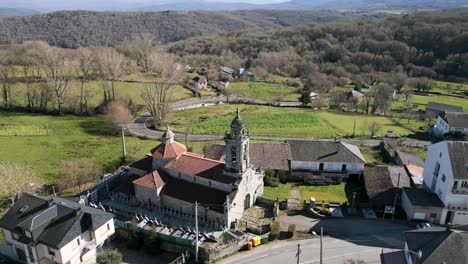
x=430, y=246
x=421, y=204
x=45, y=229
x=276, y=156
x=451, y=121
x=438, y=109
x=383, y=182
x=446, y=175
x=326, y=157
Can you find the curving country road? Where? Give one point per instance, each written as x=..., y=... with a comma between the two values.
x=138, y=126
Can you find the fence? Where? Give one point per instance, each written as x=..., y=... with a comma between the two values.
x=162, y=237
x=103, y=187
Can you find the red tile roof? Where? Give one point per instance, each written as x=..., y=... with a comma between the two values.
x=145, y=164
x=151, y=180
x=414, y=170
x=196, y=165
x=169, y=151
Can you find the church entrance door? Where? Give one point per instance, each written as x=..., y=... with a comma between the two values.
x=247, y=202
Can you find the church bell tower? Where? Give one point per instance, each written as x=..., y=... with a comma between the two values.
x=237, y=147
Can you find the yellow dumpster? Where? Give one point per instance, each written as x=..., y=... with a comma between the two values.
x=256, y=241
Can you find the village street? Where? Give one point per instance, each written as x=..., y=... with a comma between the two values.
x=347, y=239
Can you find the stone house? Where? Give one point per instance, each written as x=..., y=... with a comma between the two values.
x=42, y=229
x=384, y=182
x=200, y=82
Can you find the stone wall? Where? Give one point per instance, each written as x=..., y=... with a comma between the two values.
x=189, y=208
x=215, y=252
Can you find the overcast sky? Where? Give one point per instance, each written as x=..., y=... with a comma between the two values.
x=106, y=4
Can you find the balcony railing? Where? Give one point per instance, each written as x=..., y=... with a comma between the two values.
x=460, y=191
x=457, y=207
x=90, y=244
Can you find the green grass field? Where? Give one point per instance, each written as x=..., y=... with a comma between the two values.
x=264, y=91
x=126, y=90
x=282, y=122
x=420, y=101
x=330, y=193
x=281, y=192
x=68, y=138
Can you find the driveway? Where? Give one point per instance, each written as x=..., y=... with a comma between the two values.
x=390, y=234
x=347, y=239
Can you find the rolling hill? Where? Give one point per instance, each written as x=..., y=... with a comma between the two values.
x=82, y=28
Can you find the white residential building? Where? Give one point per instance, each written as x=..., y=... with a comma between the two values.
x=326, y=156
x=42, y=230
x=446, y=175
x=451, y=121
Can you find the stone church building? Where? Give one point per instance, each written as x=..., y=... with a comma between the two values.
x=171, y=177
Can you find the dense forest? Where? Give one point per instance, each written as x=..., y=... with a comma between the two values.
x=72, y=29
x=424, y=44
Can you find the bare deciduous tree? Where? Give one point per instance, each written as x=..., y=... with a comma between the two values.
x=111, y=66
x=75, y=174
x=59, y=72
x=139, y=48
x=158, y=96
x=7, y=73
x=28, y=57
x=86, y=64
x=374, y=127
x=319, y=102
x=16, y=179
x=382, y=94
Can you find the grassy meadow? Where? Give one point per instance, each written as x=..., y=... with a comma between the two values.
x=264, y=91
x=331, y=193
x=43, y=142
x=283, y=122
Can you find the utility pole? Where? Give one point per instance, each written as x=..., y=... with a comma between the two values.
x=396, y=196
x=124, y=148
x=354, y=129
x=196, y=232
x=321, y=245
x=298, y=254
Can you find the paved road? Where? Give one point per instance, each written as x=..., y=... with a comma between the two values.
x=357, y=239
x=138, y=126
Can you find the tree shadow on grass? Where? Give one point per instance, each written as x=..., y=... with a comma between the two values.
x=97, y=127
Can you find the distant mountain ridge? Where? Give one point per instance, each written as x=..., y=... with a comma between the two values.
x=216, y=5
x=17, y=12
